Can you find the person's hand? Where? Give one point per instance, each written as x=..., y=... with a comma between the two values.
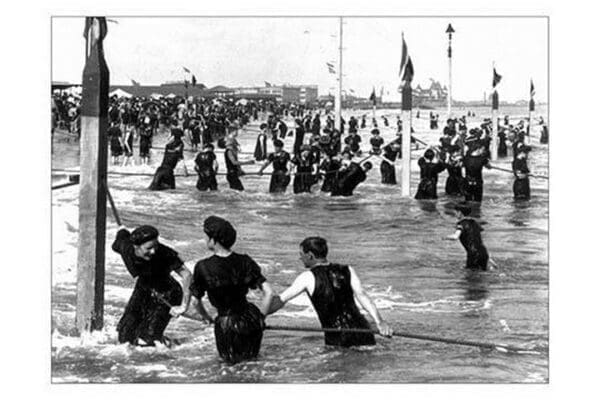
x=176, y=311
x=385, y=329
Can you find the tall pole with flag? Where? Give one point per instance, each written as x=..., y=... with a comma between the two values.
x=338, y=97
x=406, y=77
x=531, y=110
x=449, y=31
x=373, y=98
x=495, y=102
x=92, y=181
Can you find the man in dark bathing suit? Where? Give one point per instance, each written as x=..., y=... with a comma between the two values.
x=350, y=177
x=332, y=289
x=161, y=273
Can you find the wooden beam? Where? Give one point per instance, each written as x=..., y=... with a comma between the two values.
x=92, y=193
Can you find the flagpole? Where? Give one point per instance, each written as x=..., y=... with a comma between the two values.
x=494, y=138
x=338, y=99
x=531, y=109
x=406, y=137
x=449, y=31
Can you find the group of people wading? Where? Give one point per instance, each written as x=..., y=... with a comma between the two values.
x=167, y=288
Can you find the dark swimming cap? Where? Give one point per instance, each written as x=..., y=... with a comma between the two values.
x=277, y=143
x=375, y=131
x=220, y=230
x=368, y=165
x=429, y=154
x=143, y=234
x=263, y=125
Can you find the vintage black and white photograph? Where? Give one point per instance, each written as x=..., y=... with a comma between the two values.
x=299, y=199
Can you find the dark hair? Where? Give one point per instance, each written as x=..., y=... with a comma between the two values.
x=429, y=154
x=220, y=230
x=316, y=245
x=209, y=146
x=263, y=125
x=277, y=143
x=368, y=165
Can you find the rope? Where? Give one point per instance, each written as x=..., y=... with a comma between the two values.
x=531, y=175
x=112, y=206
x=461, y=342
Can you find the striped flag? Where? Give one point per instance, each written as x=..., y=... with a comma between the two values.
x=406, y=67
x=135, y=83
x=331, y=68
x=496, y=79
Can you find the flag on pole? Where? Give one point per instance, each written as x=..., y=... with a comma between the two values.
x=496, y=79
x=134, y=83
x=531, y=89
x=373, y=96
x=186, y=70
x=331, y=68
x=267, y=84
x=194, y=80
x=406, y=67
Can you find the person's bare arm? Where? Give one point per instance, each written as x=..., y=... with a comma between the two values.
x=305, y=282
x=454, y=236
x=366, y=302
x=183, y=276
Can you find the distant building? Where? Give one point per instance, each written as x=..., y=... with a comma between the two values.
x=434, y=95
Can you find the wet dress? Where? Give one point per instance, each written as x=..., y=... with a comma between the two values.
x=333, y=300
x=145, y=140
x=114, y=133
x=429, y=177
x=233, y=171
x=239, y=324
x=279, y=178
x=521, y=189
x=329, y=168
x=473, y=187
x=376, y=143
x=260, y=150
x=455, y=180
x=304, y=178
x=348, y=180
x=164, y=177
x=207, y=179
x=298, y=139
x=145, y=316
x=388, y=171
x=470, y=238
x=502, y=147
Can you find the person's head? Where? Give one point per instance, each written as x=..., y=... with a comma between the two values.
x=313, y=249
x=145, y=241
x=375, y=132
x=429, y=154
x=278, y=144
x=523, y=151
x=367, y=166
x=263, y=126
x=219, y=232
x=462, y=210
x=209, y=147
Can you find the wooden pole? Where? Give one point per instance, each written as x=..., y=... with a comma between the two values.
x=338, y=97
x=449, y=31
x=530, y=123
x=406, y=135
x=92, y=194
x=494, y=142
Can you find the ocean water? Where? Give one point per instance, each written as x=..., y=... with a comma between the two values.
x=417, y=281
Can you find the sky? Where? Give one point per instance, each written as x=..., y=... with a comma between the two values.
x=285, y=50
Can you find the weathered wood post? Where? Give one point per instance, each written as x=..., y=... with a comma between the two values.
x=92, y=187
x=449, y=31
x=406, y=137
x=494, y=143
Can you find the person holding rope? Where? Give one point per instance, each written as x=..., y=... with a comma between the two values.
x=521, y=188
x=280, y=178
x=332, y=289
x=468, y=231
x=350, y=177
x=226, y=277
x=234, y=166
x=304, y=170
x=164, y=178
x=207, y=168
x=430, y=168
x=160, y=274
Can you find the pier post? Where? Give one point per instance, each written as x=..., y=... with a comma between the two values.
x=494, y=142
x=92, y=186
x=406, y=137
